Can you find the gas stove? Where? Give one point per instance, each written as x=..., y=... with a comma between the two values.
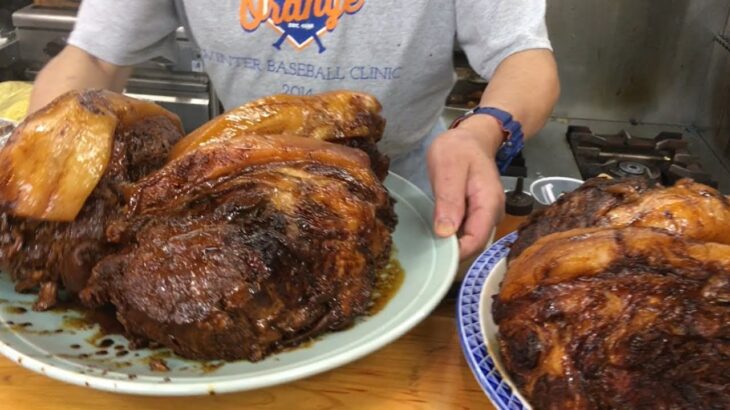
x=664, y=159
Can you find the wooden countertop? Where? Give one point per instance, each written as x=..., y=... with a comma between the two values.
x=423, y=369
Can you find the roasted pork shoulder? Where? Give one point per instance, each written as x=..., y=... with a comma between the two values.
x=245, y=246
x=629, y=318
x=254, y=233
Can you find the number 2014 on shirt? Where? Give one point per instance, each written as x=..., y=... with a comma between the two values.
x=296, y=90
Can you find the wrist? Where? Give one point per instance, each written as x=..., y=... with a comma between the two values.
x=487, y=130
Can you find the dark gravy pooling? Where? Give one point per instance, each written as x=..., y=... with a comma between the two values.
x=387, y=283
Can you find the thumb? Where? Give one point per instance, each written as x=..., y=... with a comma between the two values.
x=448, y=180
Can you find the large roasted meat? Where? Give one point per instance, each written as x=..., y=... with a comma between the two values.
x=630, y=318
x=63, y=174
x=342, y=117
x=246, y=245
x=687, y=208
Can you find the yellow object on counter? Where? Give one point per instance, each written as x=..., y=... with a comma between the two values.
x=14, y=99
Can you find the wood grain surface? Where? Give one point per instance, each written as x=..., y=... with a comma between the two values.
x=424, y=369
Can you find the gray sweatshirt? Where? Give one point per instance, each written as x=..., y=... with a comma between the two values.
x=399, y=51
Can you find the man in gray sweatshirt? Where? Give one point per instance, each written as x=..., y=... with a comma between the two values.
x=399, y=51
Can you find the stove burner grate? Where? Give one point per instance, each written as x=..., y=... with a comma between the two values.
x=664, y=158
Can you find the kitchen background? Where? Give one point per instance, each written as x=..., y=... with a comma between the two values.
x=641, y=66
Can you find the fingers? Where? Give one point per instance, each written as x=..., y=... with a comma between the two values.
x=448, y=180
x=485, y=208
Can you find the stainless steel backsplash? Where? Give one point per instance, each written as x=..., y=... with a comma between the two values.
x=653, y=61
x=713, y=119
x=634, y=59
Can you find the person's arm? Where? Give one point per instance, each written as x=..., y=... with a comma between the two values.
x=525, y=85
x=469, y=196
x=74, y=69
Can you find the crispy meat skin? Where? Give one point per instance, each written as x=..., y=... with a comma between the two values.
x=244, y=247
x=58, y=155
x=58, y=254
x=687, y=208
x=341, y=117
x=629, y=318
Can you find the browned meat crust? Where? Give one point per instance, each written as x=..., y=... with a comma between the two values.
x=687, y=208
x=244, y=247
x=342, y=117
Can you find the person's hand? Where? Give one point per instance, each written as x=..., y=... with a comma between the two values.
x=465, y=180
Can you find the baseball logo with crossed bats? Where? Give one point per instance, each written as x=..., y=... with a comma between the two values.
x=302, y=22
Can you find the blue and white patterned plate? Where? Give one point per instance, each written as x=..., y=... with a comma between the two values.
x=477, y=331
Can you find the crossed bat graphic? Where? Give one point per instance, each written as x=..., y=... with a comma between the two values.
x=281, y=39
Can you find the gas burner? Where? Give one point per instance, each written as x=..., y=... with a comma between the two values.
x=664, y=158
x=633, y=168
x=623, y=169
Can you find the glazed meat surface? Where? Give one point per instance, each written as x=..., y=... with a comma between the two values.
x=630, y=318
x=687, y=208
x=245, y=246
x=342, y=117
x=63, y=174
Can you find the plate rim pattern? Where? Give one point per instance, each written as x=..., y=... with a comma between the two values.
x=470, y=333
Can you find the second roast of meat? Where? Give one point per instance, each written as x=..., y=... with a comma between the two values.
x=687, y=208
x=628, y=318
x=618, y=297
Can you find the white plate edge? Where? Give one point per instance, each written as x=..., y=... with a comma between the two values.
x=486, y=322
